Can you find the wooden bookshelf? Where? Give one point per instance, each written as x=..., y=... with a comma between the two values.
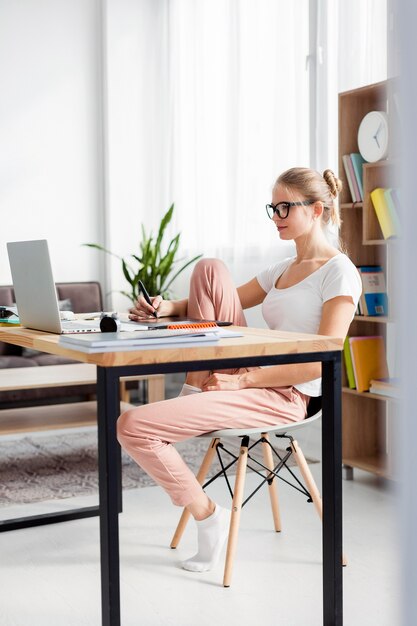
x=365, y=415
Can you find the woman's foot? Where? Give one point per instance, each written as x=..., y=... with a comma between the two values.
x=212, y=535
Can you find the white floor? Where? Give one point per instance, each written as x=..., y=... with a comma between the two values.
x=49, y=576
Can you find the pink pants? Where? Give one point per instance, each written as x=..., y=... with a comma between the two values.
x=148, y=432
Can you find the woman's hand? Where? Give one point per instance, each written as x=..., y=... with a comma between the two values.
x=141, y=310
x=223, y=382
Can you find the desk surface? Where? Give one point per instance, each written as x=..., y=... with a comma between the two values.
x=254, y=342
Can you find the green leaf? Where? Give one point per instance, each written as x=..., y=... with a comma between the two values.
x=155, y=264
x=164, y=223
x=126, y=273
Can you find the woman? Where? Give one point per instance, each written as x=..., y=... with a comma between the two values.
x=314, y=292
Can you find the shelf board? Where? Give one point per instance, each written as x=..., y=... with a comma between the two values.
x=374, y=242
x=351, y=205
x=379, y=164
x=367, y=394
x=375, y=464
x=381, y=319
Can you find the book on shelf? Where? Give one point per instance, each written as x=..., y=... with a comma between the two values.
x=369, y=360
x=373, y=299
x=357, y=162
x=350, y=176
x=348, y=364
x=385, y=387
x=383, y=213
x=395, y=195
x=392, y=208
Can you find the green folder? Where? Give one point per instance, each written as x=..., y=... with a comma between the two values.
x=348, y=363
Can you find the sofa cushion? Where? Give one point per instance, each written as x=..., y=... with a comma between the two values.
x=6, y=296
x=51, y=359
x=85, y=297
x=16, y=361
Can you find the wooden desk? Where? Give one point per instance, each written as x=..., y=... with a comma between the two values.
x=256, y=347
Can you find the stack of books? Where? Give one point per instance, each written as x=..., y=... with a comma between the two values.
x=141, y=340
x=353, y=169
x=387, y=207
x=365, y=361
x=373, y=300
x=386, y=387
x=8, y=316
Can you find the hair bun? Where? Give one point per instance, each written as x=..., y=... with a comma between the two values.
x=335, y=184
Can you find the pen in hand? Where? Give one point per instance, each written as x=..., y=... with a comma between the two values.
x=146, y=296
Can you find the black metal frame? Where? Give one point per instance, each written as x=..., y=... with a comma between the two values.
x=268, y=478
x=109, y=472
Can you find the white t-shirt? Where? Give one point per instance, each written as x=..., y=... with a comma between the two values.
x=299, y=308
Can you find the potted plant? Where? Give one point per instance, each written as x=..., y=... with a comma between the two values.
x=155, y=267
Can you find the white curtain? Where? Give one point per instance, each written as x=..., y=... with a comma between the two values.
x=209, y=100
x=351, y=52
x=208, y=103
x=362, y=57
x=239, y=116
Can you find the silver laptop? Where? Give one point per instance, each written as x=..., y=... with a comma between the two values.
x=35, y=291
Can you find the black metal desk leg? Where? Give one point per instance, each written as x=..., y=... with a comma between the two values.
x=108, y=453
x=332, y=492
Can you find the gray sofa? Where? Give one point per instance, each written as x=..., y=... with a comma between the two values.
x=80, y=297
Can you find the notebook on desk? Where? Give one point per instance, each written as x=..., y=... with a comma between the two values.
x=35, y=292
x=182, y=322
x=158, y=338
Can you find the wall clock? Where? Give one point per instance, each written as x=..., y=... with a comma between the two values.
x=373, y=136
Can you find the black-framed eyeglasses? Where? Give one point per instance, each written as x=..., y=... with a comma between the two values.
x=283, y=208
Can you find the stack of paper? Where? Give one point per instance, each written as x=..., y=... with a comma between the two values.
x=158, y=338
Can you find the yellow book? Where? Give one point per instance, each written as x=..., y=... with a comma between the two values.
x=348, y=364
x=368, y=359
x=383, y=213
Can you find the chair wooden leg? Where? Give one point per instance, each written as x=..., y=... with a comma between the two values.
x=156, y=388
x=124, y=392
x=201, y=475
x=272, y=487
x=308, y=478
x=310, y=484
x=236, y=510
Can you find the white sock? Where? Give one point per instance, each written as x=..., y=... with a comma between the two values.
x=212, y=534
x=187, y=390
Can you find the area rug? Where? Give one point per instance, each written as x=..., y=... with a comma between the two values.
x=56, y=466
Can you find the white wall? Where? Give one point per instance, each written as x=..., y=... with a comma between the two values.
x=50, y=169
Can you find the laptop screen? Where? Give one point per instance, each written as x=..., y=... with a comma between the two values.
x=34, y=285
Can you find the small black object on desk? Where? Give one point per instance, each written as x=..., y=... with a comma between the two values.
x=109, y=323
x=5, y=313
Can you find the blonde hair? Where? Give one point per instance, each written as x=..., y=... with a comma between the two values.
x=315, y=187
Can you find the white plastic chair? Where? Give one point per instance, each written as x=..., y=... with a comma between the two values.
x=272, y=470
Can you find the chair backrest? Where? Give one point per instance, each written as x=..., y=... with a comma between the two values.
x=314, y=406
